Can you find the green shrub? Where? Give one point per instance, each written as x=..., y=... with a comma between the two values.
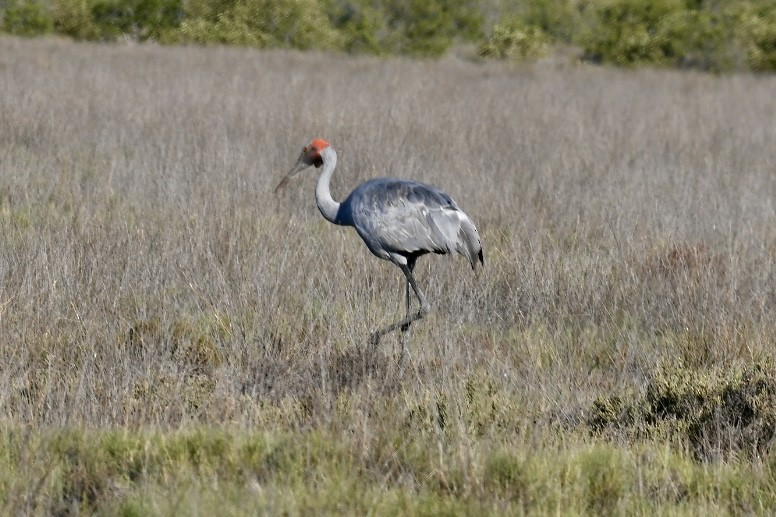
x=755, y=29
x=694, y=39
x=359, y=24
x=260, y=23
x=155, y=18
x=428, y=27
x=716, y=413
x=623, y=32
x=27, y=18
x=560, y=19
x=107, y=20
x=74, y=18
x=113, y=17
x=681, y=33
x=513, y=39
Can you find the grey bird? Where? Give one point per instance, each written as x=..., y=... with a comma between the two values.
x=399, y=220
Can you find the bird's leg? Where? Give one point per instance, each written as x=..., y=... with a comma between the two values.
x=406, y=327
x=424, y=309
x=405, y=335
x=411, y=267
x=405, y=338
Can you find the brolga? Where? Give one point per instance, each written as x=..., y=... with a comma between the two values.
x=399, y=220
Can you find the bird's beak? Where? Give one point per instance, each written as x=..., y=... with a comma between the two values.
x=299, y=167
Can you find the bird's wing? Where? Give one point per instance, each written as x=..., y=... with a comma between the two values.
x=401, y=217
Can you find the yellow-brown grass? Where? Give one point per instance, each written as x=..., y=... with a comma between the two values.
x=150, y=279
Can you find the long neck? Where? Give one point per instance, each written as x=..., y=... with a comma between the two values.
x=326, y=203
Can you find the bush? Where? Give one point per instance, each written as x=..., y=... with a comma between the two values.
x=74, y=18
x=755, y=27
x=626, y=33
x=155, y=18
x=27, y=18
x=359, y=24
x=107, y=20
x=512, y=39
x=429, y=27
x=260, y=23
x=113, y=18
x=560, y=19
x=716, y=413
x=684, y=34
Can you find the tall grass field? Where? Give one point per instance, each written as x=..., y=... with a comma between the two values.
x=177, y=339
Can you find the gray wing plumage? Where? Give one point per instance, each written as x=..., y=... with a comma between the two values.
x=399, y=219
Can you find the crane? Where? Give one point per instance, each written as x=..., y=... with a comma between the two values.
x=399, y=220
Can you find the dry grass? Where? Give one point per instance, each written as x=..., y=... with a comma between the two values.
x=150, y=279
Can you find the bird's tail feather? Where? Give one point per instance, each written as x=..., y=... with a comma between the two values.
x=453, y=232
x=469, y=244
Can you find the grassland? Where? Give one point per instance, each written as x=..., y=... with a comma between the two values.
x=178, y=340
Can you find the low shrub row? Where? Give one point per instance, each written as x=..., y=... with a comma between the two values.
x=700, y=34
x=411, y=27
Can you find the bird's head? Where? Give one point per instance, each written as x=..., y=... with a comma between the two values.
x=311, y=155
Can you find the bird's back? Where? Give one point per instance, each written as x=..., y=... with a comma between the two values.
x=402, y=219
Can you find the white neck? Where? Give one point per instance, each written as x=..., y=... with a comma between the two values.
x=326, y=203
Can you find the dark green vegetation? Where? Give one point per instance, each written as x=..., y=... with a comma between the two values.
x=702, y=34
x=176, y=339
